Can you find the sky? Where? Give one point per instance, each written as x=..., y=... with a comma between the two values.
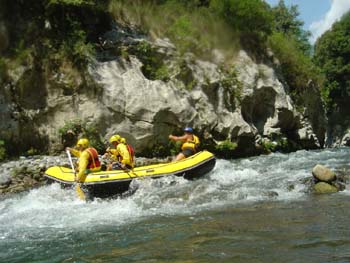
x=318, y=15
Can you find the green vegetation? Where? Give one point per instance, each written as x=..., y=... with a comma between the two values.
x=175, y=147
x=251, y=15
x=231, y=83
x=74, y=129
x=71, y=2
x=191, y=25
x=23, y=55
x=52, y=30
x=59, y=36
x=72, y=126
x=2, y=150
x=278, y=144
x=32, y=151
x=186, y=75
x=268, y=146
x=225, y=149
x=46, y=39
x=67, y=36
x=3, y=70
x=297, y=68
x=75, y=45
x=184, y=34
x=332, y=54
x=153, y=62
x=202, y=26
x=283, y=144
x=162, y=150
x=290, y=45
x=194, y=26
x=288, y=24
x=92, y=132
x=252, y=19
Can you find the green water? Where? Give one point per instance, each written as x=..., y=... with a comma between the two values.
x=225, y=217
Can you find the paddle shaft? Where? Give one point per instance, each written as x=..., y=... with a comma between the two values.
x=127, y=170
x=71, y=161
x=78, y=189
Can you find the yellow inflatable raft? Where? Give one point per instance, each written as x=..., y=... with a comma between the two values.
x=109, y=183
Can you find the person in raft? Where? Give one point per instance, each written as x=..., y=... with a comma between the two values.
x=122, y=154
x=88, y=159
x=190, y=143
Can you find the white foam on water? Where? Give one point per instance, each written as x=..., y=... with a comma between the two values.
x=273, y=177
x=51, y=208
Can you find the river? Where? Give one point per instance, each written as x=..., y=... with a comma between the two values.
x=246, y=210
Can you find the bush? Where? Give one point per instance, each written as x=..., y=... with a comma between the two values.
x=184, y=34
x=32, y=151
x=253, y=20
x=190, y=25
x=2, y=151
x=225, y=149
x=3, y=70
x=74, y=45
x=153, y=66
x=92, y=132
x=245, y=15
x=162, y=150
x=74, y=126
x=78, y=129
x=279, y=144
x=231, y=83
x=297, y=68
x=268, y=146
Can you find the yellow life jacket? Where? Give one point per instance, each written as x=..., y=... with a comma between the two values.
x=194, y=143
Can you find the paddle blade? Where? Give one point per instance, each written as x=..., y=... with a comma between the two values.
x=80, y=192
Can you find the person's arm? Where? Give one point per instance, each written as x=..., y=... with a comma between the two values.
x=182, y=138
x=114, y=154
x=75, y=152
x=107, y=153
x=83, y=163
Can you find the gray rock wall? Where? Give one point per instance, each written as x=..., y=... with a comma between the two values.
x=118, y=98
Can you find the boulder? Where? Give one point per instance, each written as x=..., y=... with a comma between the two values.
x=5, y=178
x=324, y=188
x=346, y=140
x=323, y=174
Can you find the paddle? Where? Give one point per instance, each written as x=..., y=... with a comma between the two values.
x=127, y=170
x=78, y=189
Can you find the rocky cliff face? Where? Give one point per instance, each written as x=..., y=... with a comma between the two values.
x=245, y=102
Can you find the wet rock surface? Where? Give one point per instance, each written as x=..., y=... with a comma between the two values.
x=326, y=181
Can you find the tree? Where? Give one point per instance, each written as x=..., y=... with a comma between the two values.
x=287, y=23
x=251, y=19
x=332, y=54
x=245, y=15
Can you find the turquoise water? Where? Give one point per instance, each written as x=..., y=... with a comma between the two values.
x=247, y=210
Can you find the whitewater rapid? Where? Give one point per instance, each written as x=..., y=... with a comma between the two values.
x=231, y=183
x=253, y=196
